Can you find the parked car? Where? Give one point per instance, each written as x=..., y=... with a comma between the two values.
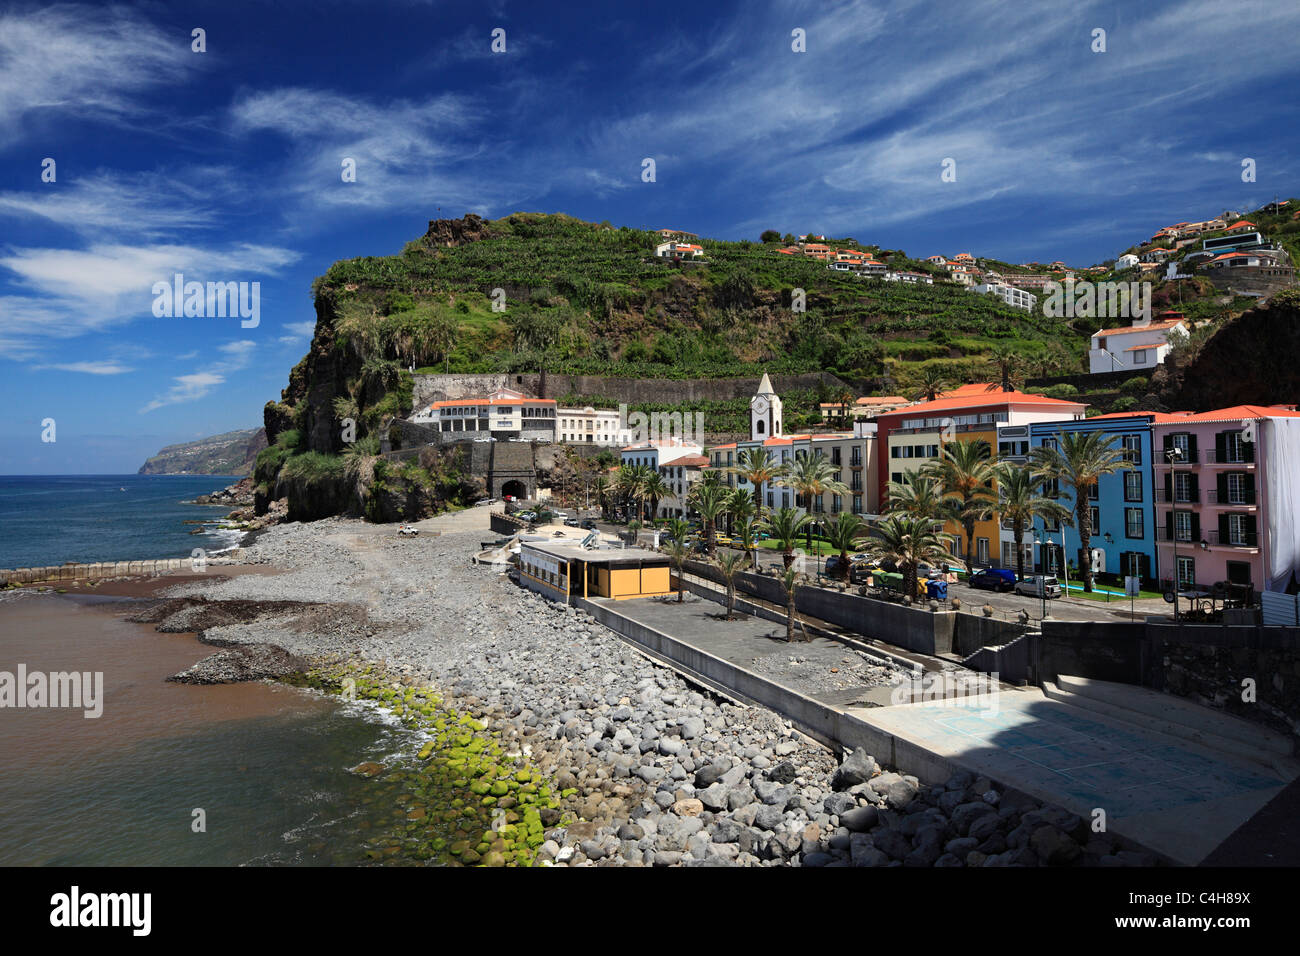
x=1036, y=585
x=407, y=531
x=587, y=523
x=723, y=540
x=571, y=522
x=527, y=515
x=993, y=579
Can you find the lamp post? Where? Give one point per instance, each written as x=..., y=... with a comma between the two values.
x=1042, y=583
x=1109, y=541
x=1175, y=455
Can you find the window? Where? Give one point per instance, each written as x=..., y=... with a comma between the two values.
x=895, y=452
x=1183, y=487
x=1094, y=491
x=1133, y=523
x=1237, y=530
x=770, y=496
x=1094, y=515
x=1186, y=572
x=1182, y=526
x=857, y=504
x=1236, y=482
x=836, y=504
x=896, y=477
x=1140, y=357
x=1131, y=445
x=1132, y=486
x=1183, y=442
x=1233, y=450
x=982, y=550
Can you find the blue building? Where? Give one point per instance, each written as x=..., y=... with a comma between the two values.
x=1123, y=503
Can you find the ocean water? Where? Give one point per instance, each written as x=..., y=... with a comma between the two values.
x=53, y=519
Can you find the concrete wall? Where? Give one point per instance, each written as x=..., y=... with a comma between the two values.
x=1114, y=651
x=54, y=574
x=974, y=631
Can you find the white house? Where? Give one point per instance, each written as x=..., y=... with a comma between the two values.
x=679, y=250
x=680, y=463
x=1132, y=347
x=591, y=426
x=1016, y=298
x=1126, y=261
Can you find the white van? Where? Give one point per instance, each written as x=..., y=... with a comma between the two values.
x=1034, y=585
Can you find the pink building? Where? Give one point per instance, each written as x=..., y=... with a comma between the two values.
x=1225, y=503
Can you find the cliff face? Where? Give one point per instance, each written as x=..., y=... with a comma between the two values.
x=1250, y=361
x=232, y=453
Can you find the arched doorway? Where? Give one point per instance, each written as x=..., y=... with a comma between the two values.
x=514, y=489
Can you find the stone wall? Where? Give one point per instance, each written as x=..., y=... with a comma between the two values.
x=55, y=574
x=445, y=387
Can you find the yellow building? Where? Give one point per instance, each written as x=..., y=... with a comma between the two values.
x=563, y=571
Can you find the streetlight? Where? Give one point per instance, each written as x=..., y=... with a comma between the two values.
x=1175, y=455
x=1042, y=565
x=1109, y=541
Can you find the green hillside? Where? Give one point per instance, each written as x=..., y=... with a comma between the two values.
x=586, y=298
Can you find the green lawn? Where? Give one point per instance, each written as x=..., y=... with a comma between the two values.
x=1076, y=591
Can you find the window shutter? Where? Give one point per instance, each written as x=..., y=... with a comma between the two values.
x=1249, y=489
x=1221, y=486
x=1196, y=528
x=1251, y=528
x=1169, y=485
x=1195, y=486
x=1224, y=534
x=1169, y=442
x=1191, y=447
x=1220, y=446
x=1248, y=449
x=1169, y=524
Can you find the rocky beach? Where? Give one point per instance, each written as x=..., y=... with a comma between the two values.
x=640, y=767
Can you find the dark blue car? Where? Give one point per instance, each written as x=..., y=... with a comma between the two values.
x=993, y=579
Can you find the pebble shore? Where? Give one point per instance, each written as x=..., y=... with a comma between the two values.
x=656, y=772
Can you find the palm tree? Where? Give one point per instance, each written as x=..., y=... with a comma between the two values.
x=965, y=475
x=601, y=486
x=677, y=554
x=918, y=494
x=844, y=534
x=1008, y=361
x=731, y=564
x=1020, y=501
x=845, y=398
x=655, y=488
x=812, y=476
x=756, y=466
x=746, y=528
x=909, y=540
x=739, y=506
x=785, y=525
x=710, y=501
x=1083, y=457
x=930, y=381
x=790, y=580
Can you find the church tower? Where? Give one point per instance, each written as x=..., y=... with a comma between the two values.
x=764, y=412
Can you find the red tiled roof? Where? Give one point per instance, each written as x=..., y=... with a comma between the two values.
x=983, y=394
x=1236, y=413
x=1242, y=224
x=1151, y=327
x=690, y=461
x=494, y=401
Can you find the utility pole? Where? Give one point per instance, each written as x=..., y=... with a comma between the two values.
x=1174, y=454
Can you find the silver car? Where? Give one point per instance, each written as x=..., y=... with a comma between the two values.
x=1039, y=585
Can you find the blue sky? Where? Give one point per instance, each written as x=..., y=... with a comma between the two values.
x=225, y=165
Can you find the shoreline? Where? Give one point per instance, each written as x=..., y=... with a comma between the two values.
x=654, y=770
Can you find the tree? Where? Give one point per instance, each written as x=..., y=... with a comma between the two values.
x=908, y=541
x=757, y=467
x=812, y=476
x=1020, y=501
x=918, y=494
x=965, y=475
x=739, y=506
x=790, y=580
x=729, y=565
x=785, y=525
x=844, y=534
x=746, y=528
x=676, y=550
x=1082, y=458
x=770, y=235
x=1008, y=362
x=930, y=382
x=710, y=501
x=600, y=487
x=655, y=488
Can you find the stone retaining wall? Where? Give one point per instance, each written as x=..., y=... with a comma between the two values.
x=101, y=569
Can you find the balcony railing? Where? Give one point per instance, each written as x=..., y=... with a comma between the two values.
x=1241, y=456
x=1189, y=458
x=1233, y=499
x=1178, y=497
x=1244, y=539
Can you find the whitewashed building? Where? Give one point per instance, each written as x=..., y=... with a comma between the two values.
x=1133, y=347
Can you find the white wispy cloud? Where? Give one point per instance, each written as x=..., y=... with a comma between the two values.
x=199, y=384
x=83, y=60
x=89, y=368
